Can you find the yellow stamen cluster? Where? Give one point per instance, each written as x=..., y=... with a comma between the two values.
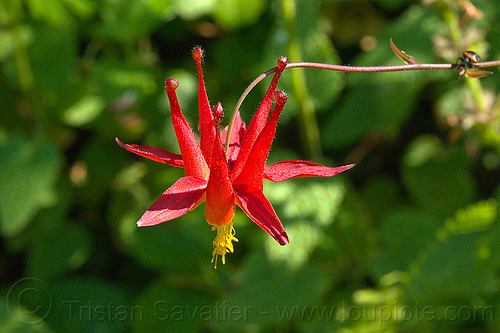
x=223, y=242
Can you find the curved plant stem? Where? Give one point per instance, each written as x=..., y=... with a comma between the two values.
x=240, y=101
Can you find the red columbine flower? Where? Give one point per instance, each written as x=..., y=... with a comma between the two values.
x=225, y=179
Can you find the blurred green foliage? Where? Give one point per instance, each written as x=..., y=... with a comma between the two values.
x=405, y=241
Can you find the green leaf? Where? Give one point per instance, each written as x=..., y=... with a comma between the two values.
x=305, y=238
x=114, y=75
x=462, y=263
x=392, y=4
x=452, y=103
x=356, y=117
x=51, y=11
x=379, y=193
x=179, y=308
x=29, y=171
x=84, y=111
x=305, y=198
x=101, y=161
x=437, y=177
x=11, y=12
x=52, y=54
x=183, y=244
x=350, y=239
x=16, y=316
x=81, y=8
x=125, y=22
x=190, y=12
x=306, y=207
x=53, y=57
x=90, y=305
x=367, y=109
x=405, y=232
x=268, y=288
x=476, y=217
x=453, y=269
x=62, y=249
x=8, y=39
x=8, y=101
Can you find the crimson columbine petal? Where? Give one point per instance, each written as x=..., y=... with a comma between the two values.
x=258, y=121
x=260, y=210
x=154, y=153
x=252, y=173
x=237, y=135
x=194, y=162
x=284, y=170
x=174, y=202
x=207, y=128
x=220, y=208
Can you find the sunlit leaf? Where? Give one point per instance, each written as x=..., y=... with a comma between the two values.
x=234, y=14
x=24, y=35
x=189, y=11
x=84, y=111
x=476, y=217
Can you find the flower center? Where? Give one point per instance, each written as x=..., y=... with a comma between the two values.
x=223, y=242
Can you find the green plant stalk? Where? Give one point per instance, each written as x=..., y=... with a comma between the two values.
x=497, y=108
x=477, y=94
x=452, y=20
x=27, y=80
x=22, y=60
x=307, y=112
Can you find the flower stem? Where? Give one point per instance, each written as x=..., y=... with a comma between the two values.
x=240, y=101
